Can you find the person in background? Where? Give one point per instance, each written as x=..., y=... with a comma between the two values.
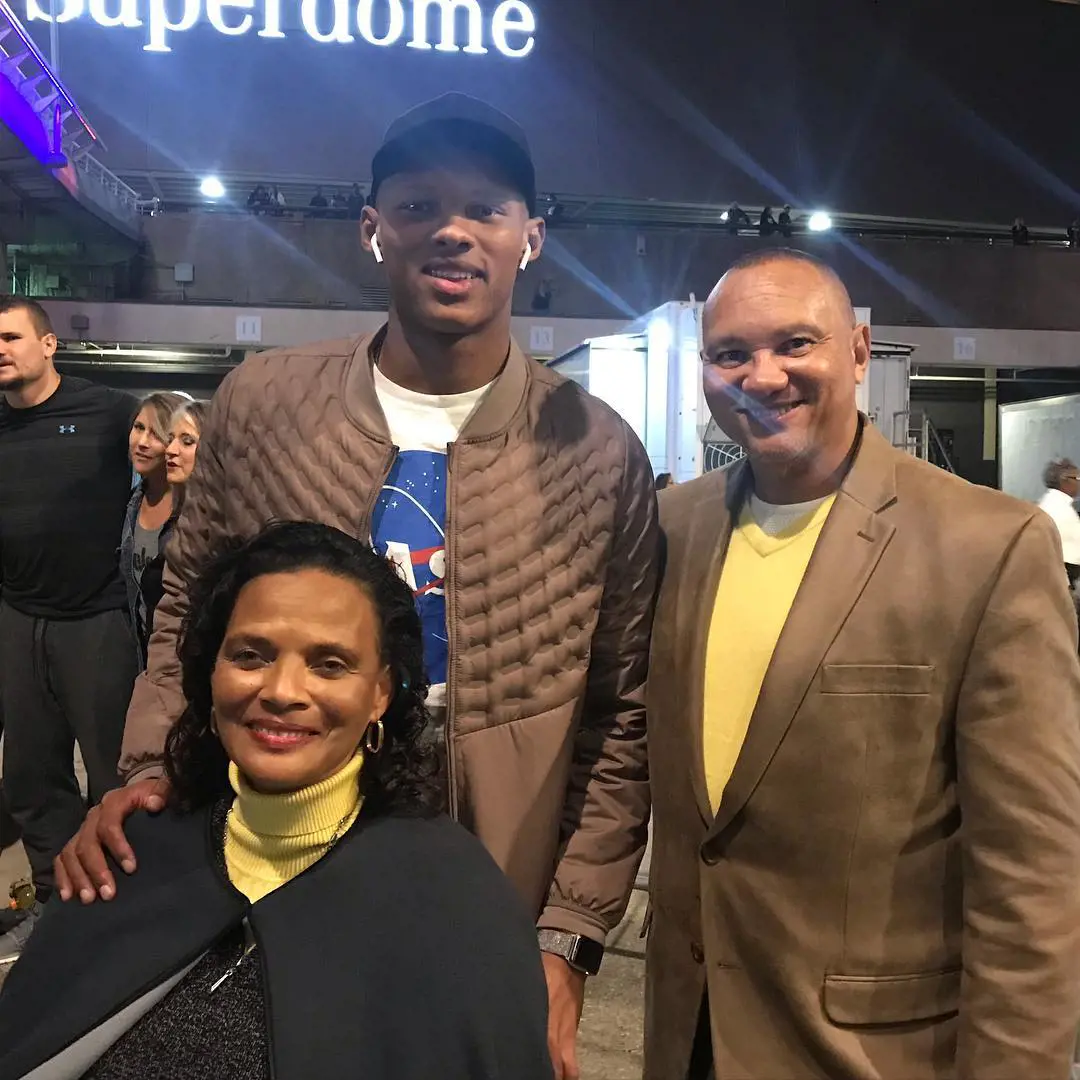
x=1062, y=481
x=355, y=930
x=318, y=202
x=185, y=431
x=864, y=736
x=152, y=510
x=67, y=653
x=664, y=481
x=355, y=202
x=519, y=509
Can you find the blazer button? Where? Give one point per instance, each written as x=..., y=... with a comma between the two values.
x=698, y=953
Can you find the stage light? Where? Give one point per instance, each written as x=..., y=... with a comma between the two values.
x=819, y=222
x=212, y=188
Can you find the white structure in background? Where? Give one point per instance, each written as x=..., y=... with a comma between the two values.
x=1034, y=433
x=651, y=375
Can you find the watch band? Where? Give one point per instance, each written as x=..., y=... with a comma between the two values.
x=581, y=953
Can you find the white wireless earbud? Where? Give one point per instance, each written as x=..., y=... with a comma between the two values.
x=525, y=258
x=376, y=250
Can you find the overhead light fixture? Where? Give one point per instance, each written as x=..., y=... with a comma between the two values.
x=819, y=222
x=212, y=188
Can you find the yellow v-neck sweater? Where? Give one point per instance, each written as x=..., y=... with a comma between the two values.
x=758, y=583
x=269, y=839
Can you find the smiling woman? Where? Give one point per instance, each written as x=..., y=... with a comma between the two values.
x=304, y=786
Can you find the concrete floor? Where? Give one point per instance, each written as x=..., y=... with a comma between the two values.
x=609, y=1042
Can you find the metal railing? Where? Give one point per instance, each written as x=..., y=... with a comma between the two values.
x=68, y=130
x=107, y=189
x=922, y=439
x=69, y=134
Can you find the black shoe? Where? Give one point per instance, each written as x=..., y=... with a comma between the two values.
x=14, y=941
x=10, y=918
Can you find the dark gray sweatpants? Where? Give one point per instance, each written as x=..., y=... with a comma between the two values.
x=61, y=681
x=9, y=831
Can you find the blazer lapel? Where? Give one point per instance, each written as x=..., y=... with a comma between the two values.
x=702, y=563
x=852, y=541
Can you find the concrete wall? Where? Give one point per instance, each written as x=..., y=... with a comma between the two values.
x=191, y=324
x=999, y=348
x=597, y=273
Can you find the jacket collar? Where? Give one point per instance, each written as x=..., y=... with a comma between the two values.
x=131, y=515
x=870, y=481
x=492, y=417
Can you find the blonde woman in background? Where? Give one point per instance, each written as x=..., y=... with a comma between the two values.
x=153, y=508
x=185, y=430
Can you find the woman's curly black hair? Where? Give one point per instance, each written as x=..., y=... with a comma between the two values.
x=404, y=778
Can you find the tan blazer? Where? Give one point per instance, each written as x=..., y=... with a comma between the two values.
x=891, y=887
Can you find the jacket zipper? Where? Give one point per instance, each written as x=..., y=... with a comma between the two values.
x=451, y=634
x=376, y=490
x=246, y=950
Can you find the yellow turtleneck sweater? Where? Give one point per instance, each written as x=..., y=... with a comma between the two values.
x=269, y=839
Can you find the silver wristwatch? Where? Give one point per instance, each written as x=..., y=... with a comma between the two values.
x=581, y=953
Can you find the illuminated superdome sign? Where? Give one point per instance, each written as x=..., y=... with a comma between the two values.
x=464, y=26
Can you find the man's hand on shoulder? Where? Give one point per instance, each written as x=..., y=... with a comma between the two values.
x=81, y=868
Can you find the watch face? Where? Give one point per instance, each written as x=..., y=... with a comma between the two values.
x=587, y=955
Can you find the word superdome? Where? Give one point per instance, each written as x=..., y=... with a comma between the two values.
x=444, y=25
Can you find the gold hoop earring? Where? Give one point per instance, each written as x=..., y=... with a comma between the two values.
x=375, y=736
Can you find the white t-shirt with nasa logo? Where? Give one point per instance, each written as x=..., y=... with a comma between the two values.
x=408, y=524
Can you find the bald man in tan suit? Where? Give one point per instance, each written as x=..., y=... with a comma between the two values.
x=864, y=709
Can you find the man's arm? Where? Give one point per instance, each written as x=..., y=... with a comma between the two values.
x=1018, y=761
x=157, y=700
x=607, y=807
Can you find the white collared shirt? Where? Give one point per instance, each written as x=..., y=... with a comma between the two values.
x=1061, y=509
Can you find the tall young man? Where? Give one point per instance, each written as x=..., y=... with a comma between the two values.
x=67, y=655
x=866, y=751
x=520, y=509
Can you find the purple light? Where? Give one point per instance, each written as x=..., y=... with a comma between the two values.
x=18, y=115
x=13, y=20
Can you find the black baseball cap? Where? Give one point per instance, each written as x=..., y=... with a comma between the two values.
x=449, y=126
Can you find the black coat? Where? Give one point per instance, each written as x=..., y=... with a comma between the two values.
x=403, y=954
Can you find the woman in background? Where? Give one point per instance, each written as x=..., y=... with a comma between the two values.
x=303, y=910
x=153, y=508
x=185, y=430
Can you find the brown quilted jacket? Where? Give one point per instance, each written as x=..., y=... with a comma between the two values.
x=552, y=563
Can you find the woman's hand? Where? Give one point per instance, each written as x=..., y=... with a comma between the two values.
x=81, y=867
